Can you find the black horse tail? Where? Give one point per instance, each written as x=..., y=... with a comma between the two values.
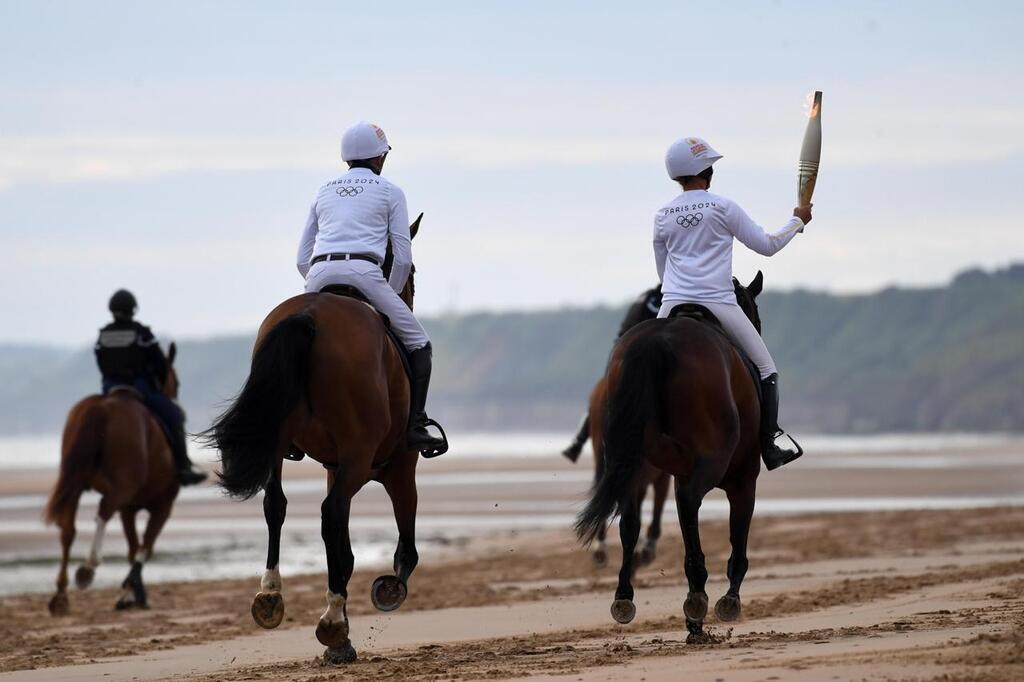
x=641, y=395
x=248, y=433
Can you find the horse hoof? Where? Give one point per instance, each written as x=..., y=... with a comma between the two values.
x=388, y=592
x=645, y=556
x=600, y=558
x=333, y=635
x=59, y=604
x=268, y=609
x=696, y=606
x=84, y=576
x=124, y=603
x=340, y=655
x=623, y=611
x=697, y=635
x=728, y=608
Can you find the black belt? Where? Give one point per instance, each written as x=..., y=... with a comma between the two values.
x=345, y=256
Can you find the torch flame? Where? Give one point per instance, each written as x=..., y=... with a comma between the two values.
x=812, y=104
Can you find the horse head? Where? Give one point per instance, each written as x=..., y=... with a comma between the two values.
x=745, y=296
x=409, y=292
x=170, y=385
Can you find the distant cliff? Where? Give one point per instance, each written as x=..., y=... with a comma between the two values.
x=947, y=358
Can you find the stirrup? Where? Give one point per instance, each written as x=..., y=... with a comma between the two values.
x=791, y=455
x=799, y=450
x=430, y=452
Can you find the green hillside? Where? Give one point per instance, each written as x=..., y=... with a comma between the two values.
x=949, y=358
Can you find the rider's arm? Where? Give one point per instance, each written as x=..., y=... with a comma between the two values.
x=660, y=250
x=401, y=243
x=753, y=235
x=308, y=240
x=156, y=362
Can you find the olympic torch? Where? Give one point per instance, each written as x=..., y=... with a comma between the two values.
x=810, y=154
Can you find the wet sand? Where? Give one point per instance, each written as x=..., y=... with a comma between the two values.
x=504, y=592
x=875, y=595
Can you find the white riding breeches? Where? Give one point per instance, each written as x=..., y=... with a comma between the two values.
x=738, y=326
x=369, y=279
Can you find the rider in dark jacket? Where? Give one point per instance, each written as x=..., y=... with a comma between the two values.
x=128, y=355
x=644, y=308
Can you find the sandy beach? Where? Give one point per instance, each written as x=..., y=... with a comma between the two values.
x=926, y=591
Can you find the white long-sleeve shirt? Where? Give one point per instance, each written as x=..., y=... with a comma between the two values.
x=357, y=213
x=693, y=236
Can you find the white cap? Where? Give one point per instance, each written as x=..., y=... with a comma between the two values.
x=363, y=141
x=689, y=156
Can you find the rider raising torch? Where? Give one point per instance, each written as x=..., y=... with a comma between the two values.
x=693, y=237
x=345, y=241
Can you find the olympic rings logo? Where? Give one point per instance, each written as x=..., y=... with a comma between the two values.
x=690, y=219
x=348, y=191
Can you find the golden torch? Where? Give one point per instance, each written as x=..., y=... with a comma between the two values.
x=810, y=154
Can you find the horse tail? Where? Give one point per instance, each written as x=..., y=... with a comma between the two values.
x=82, y=445
x=249, y=431
x=639, y=398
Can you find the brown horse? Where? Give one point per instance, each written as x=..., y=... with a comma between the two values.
x=681, y=400
x=658, y=480
x=115, y=446
x=326, y=379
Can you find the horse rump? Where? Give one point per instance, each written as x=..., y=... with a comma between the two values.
x=639, y=398
x=81, y=446
x=247, y=434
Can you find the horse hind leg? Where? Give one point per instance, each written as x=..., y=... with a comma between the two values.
x=623, y=609
x=134, y=595
x=389, y=591
x=332, y=629
x=741, y=511
x=268, y=604
x=131, y=535
x=695, y=608
x=600, y=554
x=649, y=551
x=58, y=605
x=87, y=571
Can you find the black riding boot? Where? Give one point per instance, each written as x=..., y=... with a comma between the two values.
x=572, y=453
x=418, y=438
x=771, y=453
x=186, y=474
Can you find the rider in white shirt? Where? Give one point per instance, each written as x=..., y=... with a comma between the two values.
x=345, y=241
x=693, y=237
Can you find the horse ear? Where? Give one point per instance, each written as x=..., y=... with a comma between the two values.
x=415, y=227
x=172, y=352
x=756, y=284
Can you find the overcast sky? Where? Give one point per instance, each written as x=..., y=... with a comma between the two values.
x=174, y=148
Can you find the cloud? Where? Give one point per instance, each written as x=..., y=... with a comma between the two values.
x=852, y=139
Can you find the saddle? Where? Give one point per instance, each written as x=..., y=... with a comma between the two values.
x=349, y=291
x=697, y=312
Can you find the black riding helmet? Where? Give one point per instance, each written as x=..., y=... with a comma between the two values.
x=123, y=303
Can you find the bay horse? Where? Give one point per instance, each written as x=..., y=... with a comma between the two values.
x=657, y=480
x=114, y=445
x=325, y=379
x=680, y=399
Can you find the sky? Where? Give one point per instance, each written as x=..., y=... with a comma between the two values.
x=174, y=148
